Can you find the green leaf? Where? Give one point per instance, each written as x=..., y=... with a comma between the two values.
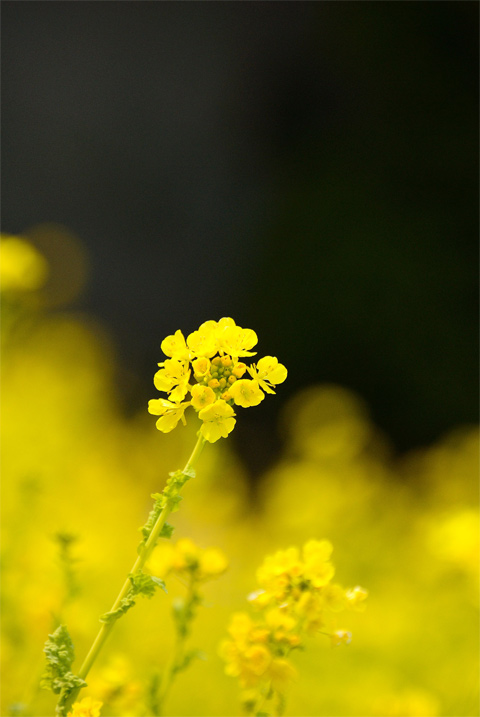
x=58, y=676
x=159, y=582
x=60, y=654
x=142, y=584
x=166, y=531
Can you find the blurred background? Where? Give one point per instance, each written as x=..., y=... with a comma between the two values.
x=310, y=169
x=307, y=168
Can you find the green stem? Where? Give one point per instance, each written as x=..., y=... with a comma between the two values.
x=106, y=628
x=176, y=659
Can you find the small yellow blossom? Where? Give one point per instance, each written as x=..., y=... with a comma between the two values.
x=246, y=393
x=203, y=343
x=218, y=421
x=201, y=367
x=202, y=396
x=341, y=637
x=170, y=413
x=173, y=377
x=268, y=372
x=22, y=267
x=187, y=558
x=356, y=598
x=87, y=707
x=175, y=346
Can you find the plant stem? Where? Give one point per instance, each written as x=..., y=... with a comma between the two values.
x=106, y=628
x=174, y=665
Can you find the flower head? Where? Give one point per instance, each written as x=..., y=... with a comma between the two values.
x=296, y=597
x=186, y=558
x=22, y=267
x=88, y=707
x=206, y=365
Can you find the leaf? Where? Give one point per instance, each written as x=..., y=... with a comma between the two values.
x=60, y=654
x=159, y=582
x=166, y=531
x=58, y=676
x=142, y=584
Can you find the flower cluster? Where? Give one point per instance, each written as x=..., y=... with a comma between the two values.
x=186, y=559
x=193, y=566
x=22, y=268
x=207, y=366
x=295, y=597
x=87, y=707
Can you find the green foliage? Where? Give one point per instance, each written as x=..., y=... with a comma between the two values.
x=184, y=611
x=58, y=676
x=166, y=531
x=170, y=496
x=186, y=659
x=142, y=584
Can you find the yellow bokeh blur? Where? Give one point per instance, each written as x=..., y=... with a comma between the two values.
x=72, y=463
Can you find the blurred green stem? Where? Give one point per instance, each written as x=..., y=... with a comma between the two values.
x=176, y=662
x=106, y=628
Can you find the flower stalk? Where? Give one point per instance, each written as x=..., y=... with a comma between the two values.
x=107, y=626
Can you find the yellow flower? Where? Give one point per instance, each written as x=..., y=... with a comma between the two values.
x=341, y=637
x=175, y=346
x=170, y=413
x=173, y=377
x=201, y=368
x=86, y=708
x=22, y=267
x=356, y=598
x=246, y=393
x=212, y=563
x=281, y=672
x=202, y=396
x=268, y=372
x=235, y=341
x=186, y=557
x=203, y=343
x=218, y=421
x=317, y=568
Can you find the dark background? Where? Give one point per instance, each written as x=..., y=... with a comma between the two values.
x=309, y=168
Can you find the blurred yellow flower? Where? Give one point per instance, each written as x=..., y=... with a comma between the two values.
x=22, y=267
x=87, y=707
x=185, y=557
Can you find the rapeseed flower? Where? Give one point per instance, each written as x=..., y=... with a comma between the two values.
x=22, y=267
x=296, y=597
x=206, y=365
x=185, y=558
x=88, y=707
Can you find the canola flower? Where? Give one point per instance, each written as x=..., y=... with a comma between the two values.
x=88, y=707
x=22, y=267
x=295, y=598
x=206, y=365
x=193, y=566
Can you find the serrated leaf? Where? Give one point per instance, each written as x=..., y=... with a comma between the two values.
x=166, y=531
x=159, y=582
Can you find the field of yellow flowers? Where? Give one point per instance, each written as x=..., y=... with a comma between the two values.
x=77, y=480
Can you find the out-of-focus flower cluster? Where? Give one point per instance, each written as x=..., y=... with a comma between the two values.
x=210, y=356
x=87, y=707
x=296, y=597
x=187, y=560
